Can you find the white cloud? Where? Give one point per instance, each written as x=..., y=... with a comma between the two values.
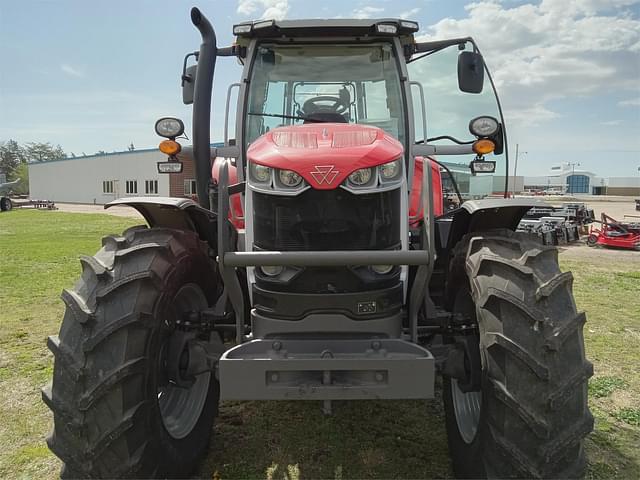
x=632, y=102
x=557, y=49
x=583, y=7
x=367, y=12
x=409, y=14
x=271, y=9
x=611, y=123
x=72, y=71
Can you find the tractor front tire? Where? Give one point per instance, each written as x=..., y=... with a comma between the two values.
x=115, y=413
x=530, y=415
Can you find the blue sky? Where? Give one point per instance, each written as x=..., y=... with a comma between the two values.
x=95, y=75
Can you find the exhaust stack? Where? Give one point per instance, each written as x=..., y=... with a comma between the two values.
x=201, y=122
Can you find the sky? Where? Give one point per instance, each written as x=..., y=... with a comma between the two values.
x=95, y=75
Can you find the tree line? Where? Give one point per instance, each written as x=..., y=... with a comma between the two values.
x=14, y=158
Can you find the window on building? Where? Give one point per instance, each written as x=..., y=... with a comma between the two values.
x=151, y=187
x=131, y=187
x=189, y=187
x=107, y=186
x=577, y=184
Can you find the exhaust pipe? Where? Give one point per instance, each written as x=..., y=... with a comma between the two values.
x=201, y=122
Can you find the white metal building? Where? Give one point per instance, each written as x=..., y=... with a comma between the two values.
x=99, y=178
x=568, y=178
x=564, y=178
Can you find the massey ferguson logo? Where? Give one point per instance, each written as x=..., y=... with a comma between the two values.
x=324, y=174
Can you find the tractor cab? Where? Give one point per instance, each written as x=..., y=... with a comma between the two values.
x=370, y=72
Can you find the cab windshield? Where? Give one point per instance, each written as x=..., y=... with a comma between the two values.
x=334, y=83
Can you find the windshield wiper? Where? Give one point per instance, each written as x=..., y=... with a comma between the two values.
x=309, y=118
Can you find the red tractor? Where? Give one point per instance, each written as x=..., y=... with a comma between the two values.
x=319, y=264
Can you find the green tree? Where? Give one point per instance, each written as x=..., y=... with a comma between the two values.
x=21, y=172
x=43, y=152
x=11, y=155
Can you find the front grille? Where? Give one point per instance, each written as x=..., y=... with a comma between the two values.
x=327, y=220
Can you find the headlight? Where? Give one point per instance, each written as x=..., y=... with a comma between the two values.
x=260, y=173
x=484, y=126
x=390, y=170
x=361, y=177
x=272, y=270
x=169, y=127
x=386, y=28
x=478, y=166
x=382, y=269
x=289, y=178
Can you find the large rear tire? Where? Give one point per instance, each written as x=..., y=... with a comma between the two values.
x=530, y=416
x=115, y=413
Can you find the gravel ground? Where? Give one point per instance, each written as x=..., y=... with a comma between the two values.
x=119, y=211
x=599, y=255
x=616, y=207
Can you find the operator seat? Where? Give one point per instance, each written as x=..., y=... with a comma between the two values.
x=326, y=117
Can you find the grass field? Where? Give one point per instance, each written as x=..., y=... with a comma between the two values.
x=288, y=440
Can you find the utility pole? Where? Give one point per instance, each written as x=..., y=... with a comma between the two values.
x=573, y=171
x=515, y=169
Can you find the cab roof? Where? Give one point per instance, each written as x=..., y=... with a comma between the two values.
x=338, y=27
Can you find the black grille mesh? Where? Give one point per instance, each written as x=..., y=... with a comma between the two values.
x=327, y=220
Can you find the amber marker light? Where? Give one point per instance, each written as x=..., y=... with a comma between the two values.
x=484, y=146
x=170, y=147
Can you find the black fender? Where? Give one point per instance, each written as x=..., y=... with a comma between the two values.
x=480, y=215
x=178, y=213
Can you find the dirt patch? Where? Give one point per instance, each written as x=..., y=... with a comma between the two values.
x=118, y=211
x=616, y=207
x=600, y=255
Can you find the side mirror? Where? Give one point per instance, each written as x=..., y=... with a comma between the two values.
x=188, y=84
x=470, y=72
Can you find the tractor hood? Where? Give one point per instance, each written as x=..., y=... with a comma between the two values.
x=324, y=154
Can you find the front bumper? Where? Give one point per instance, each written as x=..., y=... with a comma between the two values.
x=326, y=369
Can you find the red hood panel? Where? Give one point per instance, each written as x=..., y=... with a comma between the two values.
x=324, y=153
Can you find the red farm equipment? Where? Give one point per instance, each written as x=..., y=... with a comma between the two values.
x=320, y=264
x=613, y=233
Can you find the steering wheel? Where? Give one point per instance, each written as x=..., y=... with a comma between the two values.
x=313, y=105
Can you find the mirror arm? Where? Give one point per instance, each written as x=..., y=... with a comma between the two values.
x=440, y=44
x=430, y=149
x=227, y=51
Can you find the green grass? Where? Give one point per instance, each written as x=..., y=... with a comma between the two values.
x=629, y=415
x=603, y=386
x=292, y=440
x=38, y=257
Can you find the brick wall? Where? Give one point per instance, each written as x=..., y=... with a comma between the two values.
x=176, y=180
x=623, y=191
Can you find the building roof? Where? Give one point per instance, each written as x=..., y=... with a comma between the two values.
x=109, y=154
x=565, y=168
